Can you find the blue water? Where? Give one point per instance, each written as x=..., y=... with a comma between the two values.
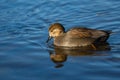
x=24, y=24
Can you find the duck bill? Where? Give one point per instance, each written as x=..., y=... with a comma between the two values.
x=49, y=38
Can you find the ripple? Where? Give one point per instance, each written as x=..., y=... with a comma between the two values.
x=24, y=30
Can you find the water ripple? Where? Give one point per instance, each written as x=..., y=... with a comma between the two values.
x=24, y=31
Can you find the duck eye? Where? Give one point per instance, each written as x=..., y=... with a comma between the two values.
x=61, y=32
x=53, y=32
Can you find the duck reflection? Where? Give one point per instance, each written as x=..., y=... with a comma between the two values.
x=59, y=54
x=58, y=58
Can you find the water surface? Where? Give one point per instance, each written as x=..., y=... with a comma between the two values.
x=24, y=54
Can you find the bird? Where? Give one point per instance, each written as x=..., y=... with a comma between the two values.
x=76, y=36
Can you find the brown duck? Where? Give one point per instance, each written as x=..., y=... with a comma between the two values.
x=76, y=37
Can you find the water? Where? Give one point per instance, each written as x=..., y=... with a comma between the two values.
x=24, y=54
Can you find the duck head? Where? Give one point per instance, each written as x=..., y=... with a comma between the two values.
x=55, y=30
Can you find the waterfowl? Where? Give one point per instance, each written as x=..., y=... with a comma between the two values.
x=77, y=36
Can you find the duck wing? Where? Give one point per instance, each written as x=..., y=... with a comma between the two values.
x=79, y=33
x=98, y=35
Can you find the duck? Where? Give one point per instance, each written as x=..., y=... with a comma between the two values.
x=76, y=36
